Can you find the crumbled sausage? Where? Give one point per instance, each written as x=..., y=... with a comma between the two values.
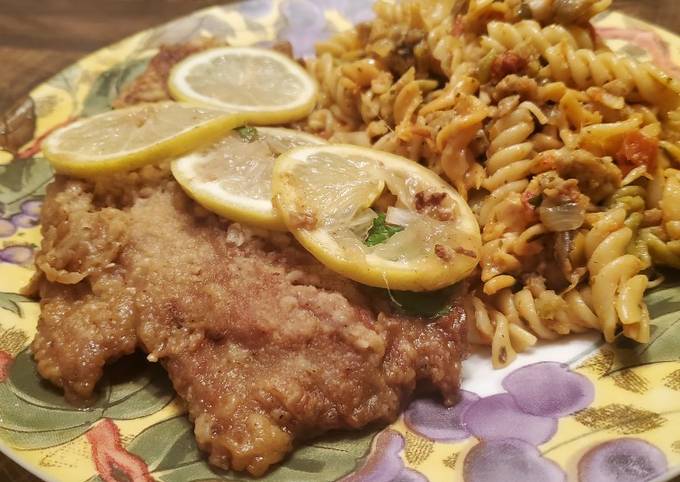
x=507, y=63
x=443, y=252
x=432, y=203
x=513, y=84
x=425, y=200
x=597, y=177
x=465, y=252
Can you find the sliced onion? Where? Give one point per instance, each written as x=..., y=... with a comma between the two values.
x=399, y=216
x=362, y=222
x=357, y=138
x=535, y=110
x=564, y=217
x=635, y=174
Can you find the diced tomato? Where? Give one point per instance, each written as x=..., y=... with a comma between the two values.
x=637, y=150
x=530, y=201
x=458, y=26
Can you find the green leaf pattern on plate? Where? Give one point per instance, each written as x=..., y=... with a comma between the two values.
x=169, y=448
x=167, y=445
x=133, y=389
x=109, y=84
x=664, y=345
x=10, y=302
x=21, y=179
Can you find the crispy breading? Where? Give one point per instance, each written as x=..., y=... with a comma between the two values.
x=265, y=344
x=151, y=85
x=86, y=309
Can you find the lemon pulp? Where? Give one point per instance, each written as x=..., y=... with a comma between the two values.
x=233, y=176
x=328, y=197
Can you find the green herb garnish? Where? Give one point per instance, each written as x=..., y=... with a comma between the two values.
x=536, y=200
x=247, y=133
x=380, y=231
x=429, y=304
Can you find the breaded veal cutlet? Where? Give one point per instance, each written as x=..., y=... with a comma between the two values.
x=264, y=344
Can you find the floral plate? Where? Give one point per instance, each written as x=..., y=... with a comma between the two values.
x=572, y=410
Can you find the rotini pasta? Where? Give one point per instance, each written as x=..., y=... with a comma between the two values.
x=563, y=148
x=585, y=68
x=529, y=35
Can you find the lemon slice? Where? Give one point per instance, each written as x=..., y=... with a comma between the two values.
x=329, y=196
x=266, y=85
x=233, y=176
x=129, y=138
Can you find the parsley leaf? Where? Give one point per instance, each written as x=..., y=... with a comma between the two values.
x=380, y=231
x=536, y=200
x=247, y=133
x=429, y=304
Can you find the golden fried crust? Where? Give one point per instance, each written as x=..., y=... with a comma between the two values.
x=264, y=344
x=86, y=310
x=152, y=84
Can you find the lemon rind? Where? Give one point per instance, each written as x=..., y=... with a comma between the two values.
x=169, y=147
x=247, y=213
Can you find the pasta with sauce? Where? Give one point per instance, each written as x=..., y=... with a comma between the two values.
x=565, y=151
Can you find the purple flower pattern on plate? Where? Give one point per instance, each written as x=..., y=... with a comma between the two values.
x=355, y=12
x=27, y=217
x=7, y=228
x=430, y=419
x=32, y=208
x=549, y=389
x=622, y=460
x=509, y=460
x=21, y=220
x=304, y=21
x=254, y=9
x=384, y=463
x=305, y=25
x=21, y=255
x=511, y=426
x=499, y=417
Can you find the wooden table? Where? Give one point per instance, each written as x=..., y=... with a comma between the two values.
x=40, y=37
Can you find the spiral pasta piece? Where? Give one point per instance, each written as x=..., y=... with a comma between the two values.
x=535, y=312
x=513, y=322
x=585, y=68
x=502, y=36
x=508, y=156
x=611, y=270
